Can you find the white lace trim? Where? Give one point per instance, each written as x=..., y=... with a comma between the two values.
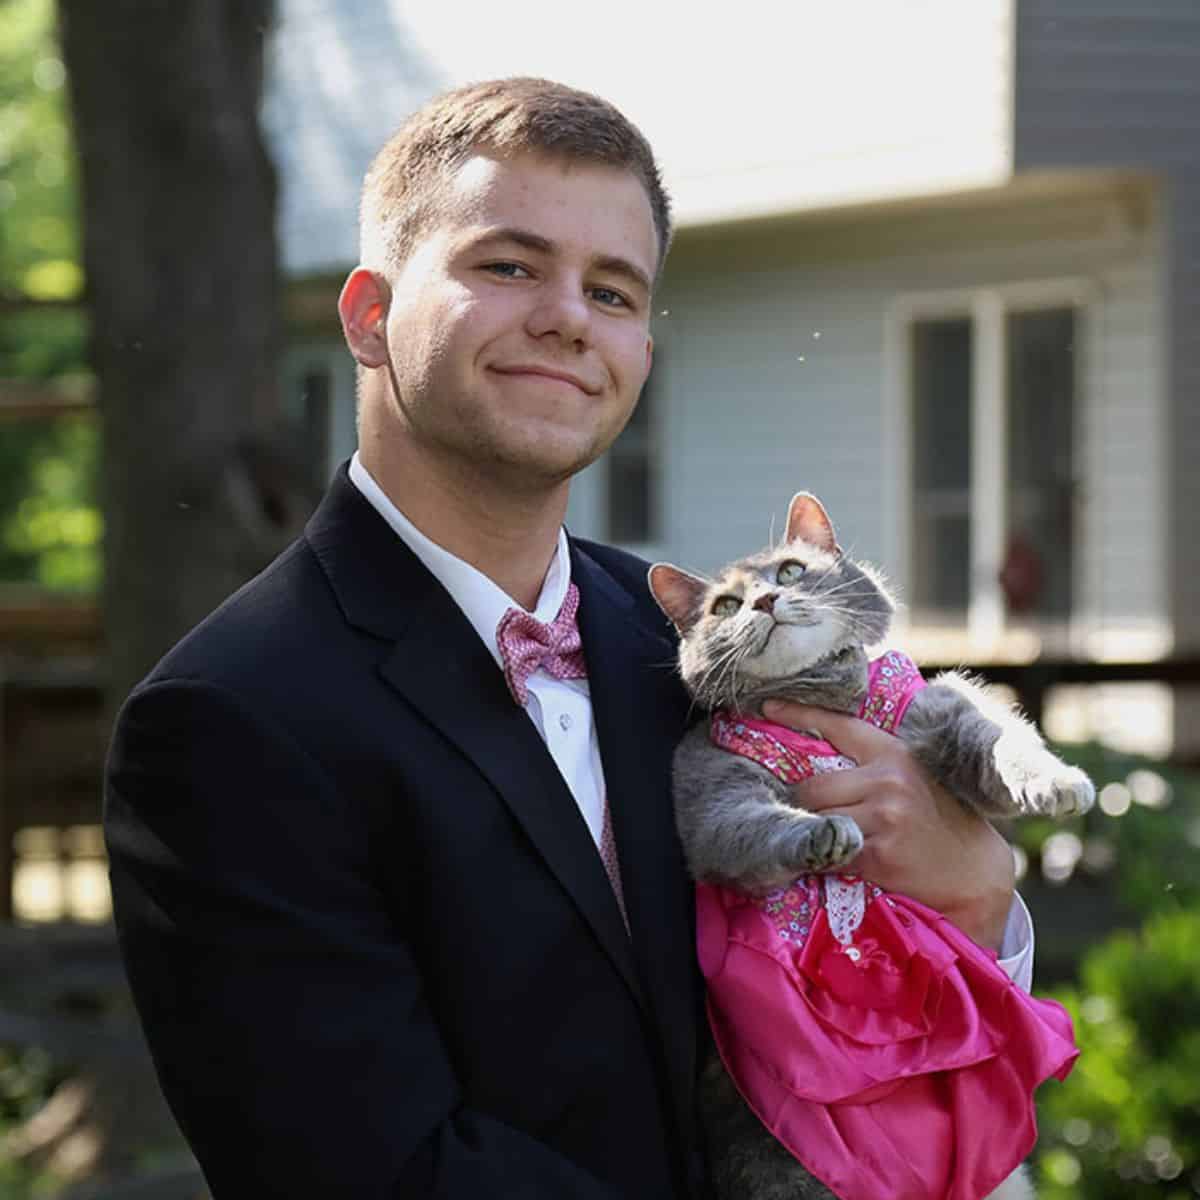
x=824, y=763
x=845, y=906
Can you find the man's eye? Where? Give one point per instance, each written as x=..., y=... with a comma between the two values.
x=609, y=298
x=725, y=606
x=507, y=270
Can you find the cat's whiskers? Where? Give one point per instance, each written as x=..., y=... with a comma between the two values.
x=845, y=585
x=712, y=681
x=726, y=686
x=744, y=653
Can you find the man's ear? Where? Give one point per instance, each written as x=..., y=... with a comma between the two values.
x=363, y=307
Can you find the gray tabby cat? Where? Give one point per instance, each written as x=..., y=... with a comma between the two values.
x=793, y=622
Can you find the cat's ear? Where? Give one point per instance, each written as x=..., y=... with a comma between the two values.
x=679, y=594
x=809, y=522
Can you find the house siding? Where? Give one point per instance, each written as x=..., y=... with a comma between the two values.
x=745, y=423
x=1123, y=522
x=1119, y=81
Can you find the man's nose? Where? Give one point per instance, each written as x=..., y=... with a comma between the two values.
x=766, y=602
x=561, y=309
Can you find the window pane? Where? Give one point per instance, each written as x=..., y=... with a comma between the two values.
x=1041, y=404
x=632, y=467
x=941, y=435
x=629, y=498
x=316, y=396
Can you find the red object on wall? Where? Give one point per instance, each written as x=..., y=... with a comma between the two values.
x=1021, y=574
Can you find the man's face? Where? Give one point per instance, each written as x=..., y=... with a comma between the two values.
x=518, y=328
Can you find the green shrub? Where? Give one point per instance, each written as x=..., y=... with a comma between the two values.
x=27, y=1077
x=1147, y=857
x=1126, y=1123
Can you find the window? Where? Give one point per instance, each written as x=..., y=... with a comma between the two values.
x=992, y=459
x=316, y=391
x=941, y=517
x=1041, y=458
x=319, y=395
x=60, y=874
x=632, y=504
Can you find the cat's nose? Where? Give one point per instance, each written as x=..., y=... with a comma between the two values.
x=766, y=603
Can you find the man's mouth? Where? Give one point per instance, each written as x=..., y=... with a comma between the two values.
x=553, y=373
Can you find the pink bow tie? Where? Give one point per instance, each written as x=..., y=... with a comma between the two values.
x=527, y=644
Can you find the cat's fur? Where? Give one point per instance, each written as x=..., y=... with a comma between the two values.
x=806, y=640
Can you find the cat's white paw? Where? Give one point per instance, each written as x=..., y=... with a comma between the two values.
x=829, y=842
x=1060, y=792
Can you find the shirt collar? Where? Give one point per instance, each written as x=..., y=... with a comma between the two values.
x=481, y=601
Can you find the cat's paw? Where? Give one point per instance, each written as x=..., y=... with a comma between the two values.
x=827, y=842
x=1058, y=791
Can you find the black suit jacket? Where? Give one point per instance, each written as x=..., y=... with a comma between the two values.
x=371, y=941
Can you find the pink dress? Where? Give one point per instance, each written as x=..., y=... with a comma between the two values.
x=880, y=1045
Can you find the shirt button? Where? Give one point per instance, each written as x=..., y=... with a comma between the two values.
x=564, y=721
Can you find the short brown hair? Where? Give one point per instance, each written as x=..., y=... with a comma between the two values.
x=506, y=116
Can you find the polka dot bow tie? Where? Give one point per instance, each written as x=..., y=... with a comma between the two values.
x=527, y=644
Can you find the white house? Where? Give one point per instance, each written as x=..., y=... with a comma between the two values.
x=937, y=262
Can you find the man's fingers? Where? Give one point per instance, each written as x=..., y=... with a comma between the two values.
x=856, y=739
x=841, y=790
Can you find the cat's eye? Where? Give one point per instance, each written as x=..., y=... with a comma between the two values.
x=790, y=571
x=725, y=606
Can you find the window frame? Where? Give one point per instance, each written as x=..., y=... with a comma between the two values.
x=987, y=307
x=330, y=357
x=649, y=446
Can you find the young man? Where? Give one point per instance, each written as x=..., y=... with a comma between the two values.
x=394, y=866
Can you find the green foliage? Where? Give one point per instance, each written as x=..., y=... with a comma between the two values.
x=50, y=526
x=39, y=239
x=46, y=343
x=19, y=1183
x=52, y=534
x=49, y=522
x=27, y=1077
x=1126, y=1124
x=1146, y=846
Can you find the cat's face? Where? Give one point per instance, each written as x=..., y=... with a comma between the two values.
x=777, y=612
x=780, y=616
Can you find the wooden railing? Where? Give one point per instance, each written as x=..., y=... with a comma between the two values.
x=1031, y=681
x=26, y=399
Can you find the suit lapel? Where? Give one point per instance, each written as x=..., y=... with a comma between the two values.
x=440, y=667
x=444, y=671
x=640, y=710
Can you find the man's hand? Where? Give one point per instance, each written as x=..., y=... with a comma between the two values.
x=918, y=839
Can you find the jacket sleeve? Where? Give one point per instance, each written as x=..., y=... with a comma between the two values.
x=285, y=1014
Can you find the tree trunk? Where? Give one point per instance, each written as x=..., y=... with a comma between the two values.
x=178, y=199
x=181, y=265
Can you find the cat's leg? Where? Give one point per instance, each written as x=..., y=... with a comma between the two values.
x=744, y=1159
x=737, y=826
x=987, y=755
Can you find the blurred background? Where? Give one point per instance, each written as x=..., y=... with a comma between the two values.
x=937, y=262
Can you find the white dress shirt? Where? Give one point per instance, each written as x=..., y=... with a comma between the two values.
x=561, y=709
